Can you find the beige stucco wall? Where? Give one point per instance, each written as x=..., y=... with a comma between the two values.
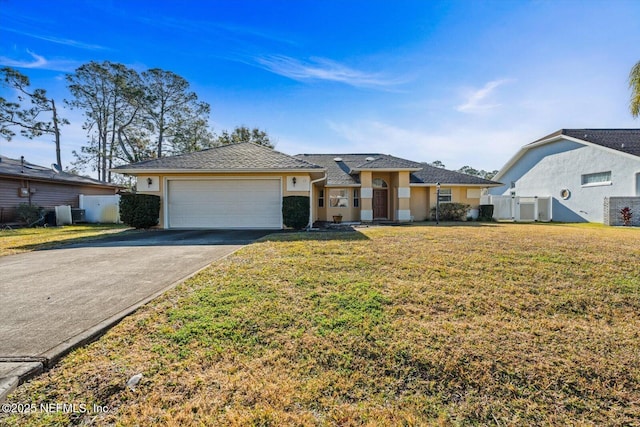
x=419, y=203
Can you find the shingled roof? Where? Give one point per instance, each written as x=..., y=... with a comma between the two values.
x=625, y=140
x=342, y=169
x=25, y=170
x=432, y=175
x=244, y=156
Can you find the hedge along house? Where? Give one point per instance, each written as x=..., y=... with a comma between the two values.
x=22, y=182
x=242, y=186
x=577, y=169
x=232, y=186
x=380, y=187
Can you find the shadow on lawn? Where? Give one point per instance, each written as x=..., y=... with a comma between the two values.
x=452, y=224
x=346, y=233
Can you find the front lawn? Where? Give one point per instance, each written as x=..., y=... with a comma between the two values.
x=498, y=324
x=29, y=239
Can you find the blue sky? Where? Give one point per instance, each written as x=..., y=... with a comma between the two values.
x=464, y=82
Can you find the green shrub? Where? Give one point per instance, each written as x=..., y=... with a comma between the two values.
x=28, y=214
x=295, y=211
x=486, y=213
x=140, y=210
x=451, y=212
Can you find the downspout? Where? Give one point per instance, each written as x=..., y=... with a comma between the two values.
x=310, y=226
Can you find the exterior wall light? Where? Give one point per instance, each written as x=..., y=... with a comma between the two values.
x=294, y=180
x=149, y=182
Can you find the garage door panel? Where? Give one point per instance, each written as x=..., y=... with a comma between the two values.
x=225, y=203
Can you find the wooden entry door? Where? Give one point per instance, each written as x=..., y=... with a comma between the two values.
x=380, y=204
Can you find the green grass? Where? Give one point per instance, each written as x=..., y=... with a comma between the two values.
x=488, y=325
x=29, y=239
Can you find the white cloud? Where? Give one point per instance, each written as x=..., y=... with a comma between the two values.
x=322, y=69
x=37, y=62
x=40, y=62
x=58, y=40
x=477, y=100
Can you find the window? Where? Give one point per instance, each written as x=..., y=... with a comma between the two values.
x=321, y=199
x=445, y=195
x=379, y=183
x=473, y=193
x=338, y=198
x=600, y=178
x=356, y=199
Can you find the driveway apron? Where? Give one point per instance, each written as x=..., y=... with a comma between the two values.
x=52, y=301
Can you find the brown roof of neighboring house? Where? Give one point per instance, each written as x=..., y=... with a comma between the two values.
x=19, y=169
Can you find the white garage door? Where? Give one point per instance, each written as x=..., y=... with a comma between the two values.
x=225, y=203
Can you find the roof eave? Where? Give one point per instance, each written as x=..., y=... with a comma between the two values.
x=386, y=169
x=343, y=185
x=433, y=184
x=59, y=181
x=140, y=171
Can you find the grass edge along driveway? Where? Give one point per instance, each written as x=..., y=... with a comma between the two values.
x=495, y=324
x=22, y=240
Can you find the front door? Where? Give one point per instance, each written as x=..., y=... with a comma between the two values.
x=380, y=204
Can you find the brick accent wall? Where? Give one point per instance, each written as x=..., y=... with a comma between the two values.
x=613, y=205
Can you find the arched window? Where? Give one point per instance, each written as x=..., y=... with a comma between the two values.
x=379, y=183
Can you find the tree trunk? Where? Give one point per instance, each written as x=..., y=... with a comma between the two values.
x=56, y=131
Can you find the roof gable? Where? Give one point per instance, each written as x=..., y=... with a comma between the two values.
x=625, y=141
x=243, y=156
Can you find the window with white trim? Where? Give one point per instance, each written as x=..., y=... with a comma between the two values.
x=356, y=198
x=599, y=178
x=338, y=198
x=445, y=195
x=321, y=199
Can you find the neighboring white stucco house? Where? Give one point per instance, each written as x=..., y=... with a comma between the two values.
x=577, y=168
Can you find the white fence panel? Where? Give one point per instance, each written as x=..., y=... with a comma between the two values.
x=502, y=207
x=507, y=208
x=101, y=209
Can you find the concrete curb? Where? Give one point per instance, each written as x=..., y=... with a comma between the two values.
x=28, y=367
x=7, y=386
x=14, y=373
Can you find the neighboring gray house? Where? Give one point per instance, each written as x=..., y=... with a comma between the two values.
x=577, y=169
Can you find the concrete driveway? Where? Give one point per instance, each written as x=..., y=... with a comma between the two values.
x=52, y=301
